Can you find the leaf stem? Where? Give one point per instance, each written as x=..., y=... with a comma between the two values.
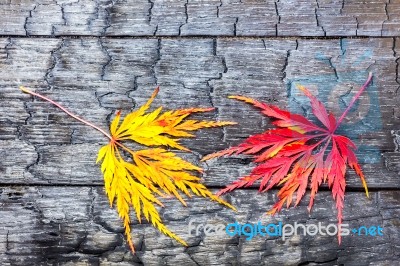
x=315, y=136
x=66, y=111
x=354, y=100
x=124, y=148
x=327, y=139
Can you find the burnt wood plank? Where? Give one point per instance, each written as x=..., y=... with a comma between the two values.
x=194, y=18
x=61, y=225
x=58, y=212
x=103, y=75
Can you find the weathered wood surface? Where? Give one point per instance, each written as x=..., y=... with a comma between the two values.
x=53, y=207
x=206, y=17
x=95, y=77
x=67, y=225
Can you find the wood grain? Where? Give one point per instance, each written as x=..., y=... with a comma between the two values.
x=103, y=75
x=200, y=18
x=66, y=220
x=60, y=225
x=96, y=57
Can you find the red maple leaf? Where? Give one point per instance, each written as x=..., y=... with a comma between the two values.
x=298, y=151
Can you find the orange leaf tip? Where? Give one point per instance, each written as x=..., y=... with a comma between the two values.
x=242, y=98
x=228, y=123
x=184, y=149
x=366, y=188
x=22, y=88
x=155, y=92
x=304, y=90
x=300, y=87
x=237, y=97
x=131, y=247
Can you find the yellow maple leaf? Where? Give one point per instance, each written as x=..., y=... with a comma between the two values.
x=133, y=182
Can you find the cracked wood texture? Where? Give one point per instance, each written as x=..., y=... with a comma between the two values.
x=96, y=57
x=200, y=17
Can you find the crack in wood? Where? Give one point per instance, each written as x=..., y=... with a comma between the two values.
x=95, y=16
x=109, y=58
x=157, y=60
x=218, y=7
x=7, y=47
x=62, y=13
x=186, y=19
x=53, y=55
x=332, y=19
x=150, y=10
x=26, y=20
x=316, y=17
x=235, y=26
x=7, y=241
x=279, y=17
x=397, y=58
x=387, y=16
x=108, y=11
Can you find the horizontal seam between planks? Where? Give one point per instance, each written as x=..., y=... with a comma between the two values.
x=192, y=37
x=325, y=188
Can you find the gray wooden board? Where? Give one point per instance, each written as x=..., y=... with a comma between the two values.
x=210, y=17
x=94, y=77
x=76, y=226
x=96, y=57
